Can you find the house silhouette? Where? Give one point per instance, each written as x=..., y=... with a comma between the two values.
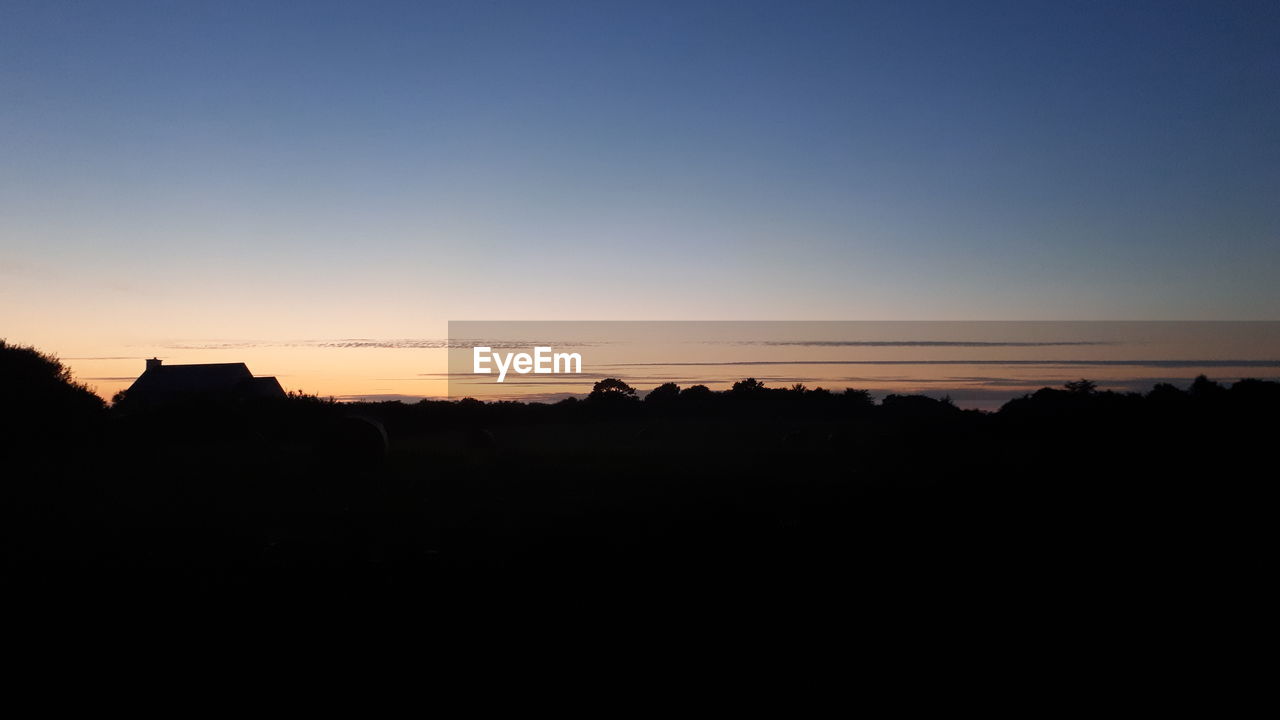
x=160, y=383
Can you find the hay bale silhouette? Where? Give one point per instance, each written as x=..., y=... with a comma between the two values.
x=479, y=439
x=355, y=441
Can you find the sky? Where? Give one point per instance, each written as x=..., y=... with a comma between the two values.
x=178, y=174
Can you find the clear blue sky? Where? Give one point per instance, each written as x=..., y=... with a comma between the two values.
x=313, y=169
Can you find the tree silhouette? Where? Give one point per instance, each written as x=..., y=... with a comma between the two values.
x=612, y=389
x=1203, y=387
x=1081, y=386
x=858, y=398
x=697, y=392
x=664, y=393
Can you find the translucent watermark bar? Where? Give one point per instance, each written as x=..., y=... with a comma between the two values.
x=975, y=363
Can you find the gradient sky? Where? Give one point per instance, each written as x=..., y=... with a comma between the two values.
x=304, y=170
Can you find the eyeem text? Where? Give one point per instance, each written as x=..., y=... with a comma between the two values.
x=542, y=362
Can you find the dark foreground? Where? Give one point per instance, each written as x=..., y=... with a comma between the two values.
x=1063, y=489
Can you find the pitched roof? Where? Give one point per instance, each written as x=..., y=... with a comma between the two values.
x=213, y=377
x=265, y=386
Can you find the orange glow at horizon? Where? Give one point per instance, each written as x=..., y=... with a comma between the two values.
x=386, y=369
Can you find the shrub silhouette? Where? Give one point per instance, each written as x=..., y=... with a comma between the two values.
x=39, y=400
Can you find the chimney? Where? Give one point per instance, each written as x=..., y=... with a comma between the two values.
x=153, y=364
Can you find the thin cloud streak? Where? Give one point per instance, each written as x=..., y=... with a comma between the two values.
x=917, y=343
x=1021, y=363
x=360, y=343
x=409, y=343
